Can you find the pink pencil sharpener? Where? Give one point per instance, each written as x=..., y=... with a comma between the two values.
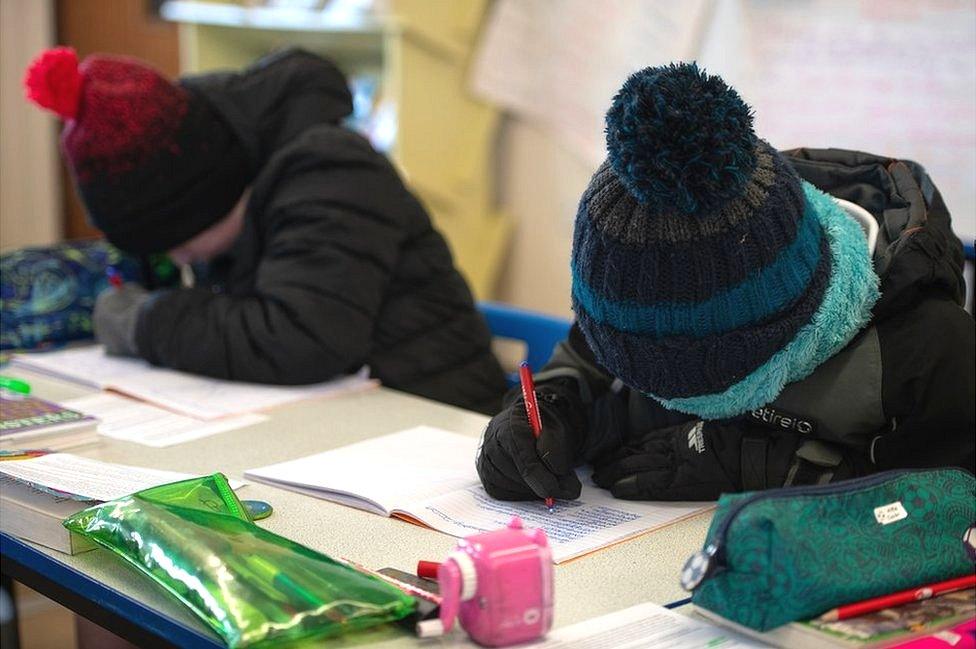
x=499, y=585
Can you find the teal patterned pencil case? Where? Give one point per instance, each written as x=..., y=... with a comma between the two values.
x=781, y=555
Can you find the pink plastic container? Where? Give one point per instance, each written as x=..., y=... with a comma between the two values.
x=499, y=585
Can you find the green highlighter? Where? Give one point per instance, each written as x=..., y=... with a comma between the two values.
x=14, y=385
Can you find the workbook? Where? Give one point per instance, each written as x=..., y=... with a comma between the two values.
x=35, y=515
x=191, y=394
x=427, y=476
x=29, y=422
x=38, y=490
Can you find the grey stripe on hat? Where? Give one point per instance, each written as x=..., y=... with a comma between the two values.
x=616, y=213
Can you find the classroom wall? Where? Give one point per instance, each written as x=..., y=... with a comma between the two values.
x=540, y=182
x=30, y=190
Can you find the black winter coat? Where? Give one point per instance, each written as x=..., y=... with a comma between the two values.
x=338, y=264
x=901, y=394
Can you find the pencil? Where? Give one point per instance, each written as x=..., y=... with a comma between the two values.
x=896, y=599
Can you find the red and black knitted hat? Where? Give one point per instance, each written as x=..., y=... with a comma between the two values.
x=153, y=162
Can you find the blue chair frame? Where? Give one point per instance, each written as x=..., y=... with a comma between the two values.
x=540, y=332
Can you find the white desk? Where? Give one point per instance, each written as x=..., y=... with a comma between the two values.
x=639, y=570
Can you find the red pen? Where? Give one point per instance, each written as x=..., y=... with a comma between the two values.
x=532, y=411
x=896, y=599
x=114, y=278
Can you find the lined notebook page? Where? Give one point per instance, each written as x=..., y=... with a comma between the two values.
x=575, y=528
x=384, y=473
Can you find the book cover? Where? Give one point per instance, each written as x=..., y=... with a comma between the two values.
x=889, y=627
x=23, y=415
x=900, y=621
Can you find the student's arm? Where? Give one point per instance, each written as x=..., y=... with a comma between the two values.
x=929, y=391
x=319, y=286
x=583, y=416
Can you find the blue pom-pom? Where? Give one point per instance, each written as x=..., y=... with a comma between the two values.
x=680, y=140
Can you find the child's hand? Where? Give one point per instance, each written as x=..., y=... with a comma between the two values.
x=115, y=317
x=683, y=462
x=513, y=465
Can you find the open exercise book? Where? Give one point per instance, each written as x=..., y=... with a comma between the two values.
x=427, y=475
x=197, y=396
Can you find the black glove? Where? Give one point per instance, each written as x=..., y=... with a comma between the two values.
x=513, y=465
x=683, y=462
x=702, y=460
x=115, y=317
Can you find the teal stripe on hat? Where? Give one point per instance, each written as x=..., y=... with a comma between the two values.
x=846, y=308
x=767, y=291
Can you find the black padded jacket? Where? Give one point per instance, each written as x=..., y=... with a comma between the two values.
x=338, y=264
x=901, y=394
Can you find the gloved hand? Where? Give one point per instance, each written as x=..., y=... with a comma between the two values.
x=115, y=317
x=688, y=461
x=699, y=460
x=513, y=465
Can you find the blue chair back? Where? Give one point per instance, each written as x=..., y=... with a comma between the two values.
x=540, y=333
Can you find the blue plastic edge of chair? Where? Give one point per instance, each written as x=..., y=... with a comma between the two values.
x=105, y=597
x=540, y=332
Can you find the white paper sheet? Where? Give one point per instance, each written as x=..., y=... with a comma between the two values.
x=194, y=395
x=91, y=479
x=384, y=473
x=644, y=626
x=895, y=79
x=428, y=474
x=141, y=423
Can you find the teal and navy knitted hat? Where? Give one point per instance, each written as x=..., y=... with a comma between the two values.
x=706, y=274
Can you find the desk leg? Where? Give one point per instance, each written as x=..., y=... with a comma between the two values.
x=9, y=633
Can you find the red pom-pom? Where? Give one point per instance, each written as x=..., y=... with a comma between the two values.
x=52, y=81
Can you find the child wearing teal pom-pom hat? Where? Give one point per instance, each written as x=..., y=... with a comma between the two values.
x=733, y=329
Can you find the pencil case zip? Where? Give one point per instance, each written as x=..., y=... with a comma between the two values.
x=771, y=526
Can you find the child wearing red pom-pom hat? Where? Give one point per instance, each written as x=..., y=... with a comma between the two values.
x=311, y=258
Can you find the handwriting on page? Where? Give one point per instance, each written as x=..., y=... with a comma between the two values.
x=572, y=520
x=575, y=528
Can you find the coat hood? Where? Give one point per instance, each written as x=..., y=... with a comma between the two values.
x=275, y=99
x=917, y=252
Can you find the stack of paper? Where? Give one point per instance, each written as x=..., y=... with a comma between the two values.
x=141, y=423
x=38, y=491
x=193, y=395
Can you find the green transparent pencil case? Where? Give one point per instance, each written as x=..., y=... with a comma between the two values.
x=777, y=556
x=251, y=586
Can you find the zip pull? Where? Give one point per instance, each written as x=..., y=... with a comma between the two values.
x=699, y=567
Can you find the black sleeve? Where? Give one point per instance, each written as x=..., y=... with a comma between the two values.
x=929, y=389
x=597, y=400
x=319, y=285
